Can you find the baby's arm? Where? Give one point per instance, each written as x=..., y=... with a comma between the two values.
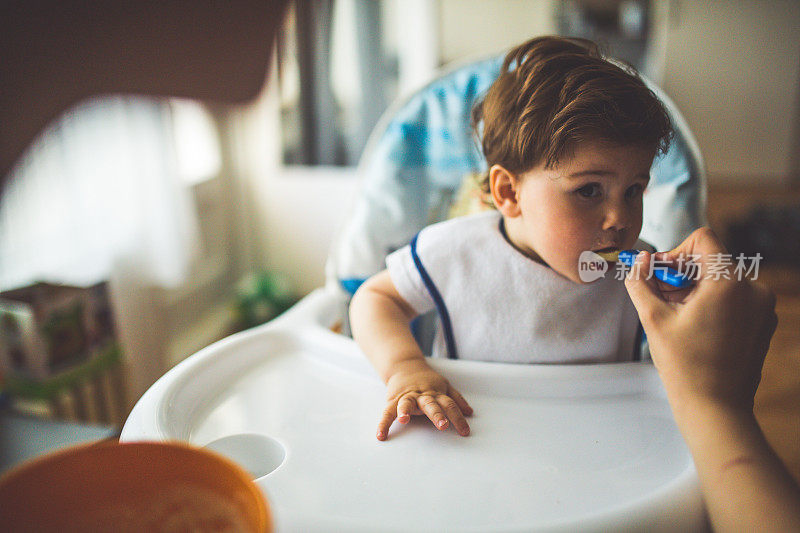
x=380, y=320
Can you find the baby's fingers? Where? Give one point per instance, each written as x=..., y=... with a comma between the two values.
x=389, y=414
x=460, y=401
x=406, y=407
x=455, y=415
x=431, y=408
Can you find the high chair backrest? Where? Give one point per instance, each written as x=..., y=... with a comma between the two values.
x=423, y=149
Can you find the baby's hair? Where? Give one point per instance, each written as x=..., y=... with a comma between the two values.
x=554, y=93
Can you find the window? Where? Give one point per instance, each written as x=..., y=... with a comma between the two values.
x=341, y=63
x=620, y=27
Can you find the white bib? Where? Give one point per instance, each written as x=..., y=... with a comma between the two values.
x=506, y=307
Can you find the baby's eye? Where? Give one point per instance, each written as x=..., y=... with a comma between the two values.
x=590, y=190
x=634, y=191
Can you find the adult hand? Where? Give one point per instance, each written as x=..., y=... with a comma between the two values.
x=708, y=342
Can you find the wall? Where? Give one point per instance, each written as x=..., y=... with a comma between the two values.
x=471, y=28
x=287, y=217
x=733, y=67
x=301, y=210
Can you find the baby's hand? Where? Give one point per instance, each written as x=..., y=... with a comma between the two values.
x=416, y=389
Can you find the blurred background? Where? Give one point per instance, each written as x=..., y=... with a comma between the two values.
x=200, y=220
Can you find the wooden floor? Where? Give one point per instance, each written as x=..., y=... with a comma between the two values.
x=778, y=397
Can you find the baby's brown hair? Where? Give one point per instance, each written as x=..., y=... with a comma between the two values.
x=554, y=93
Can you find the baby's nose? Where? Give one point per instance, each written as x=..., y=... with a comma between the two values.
x=617, y=218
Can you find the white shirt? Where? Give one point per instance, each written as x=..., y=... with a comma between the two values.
x=505, y=306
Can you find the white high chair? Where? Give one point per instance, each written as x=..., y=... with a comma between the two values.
x=553, y=447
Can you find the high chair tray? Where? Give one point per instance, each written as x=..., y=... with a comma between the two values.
x=553, y=448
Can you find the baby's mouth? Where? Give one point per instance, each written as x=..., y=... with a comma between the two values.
x=609, y=253
x=607, y=249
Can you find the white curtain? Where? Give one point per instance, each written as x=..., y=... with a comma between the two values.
x=102, y=184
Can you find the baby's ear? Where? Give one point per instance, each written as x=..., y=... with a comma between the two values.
x=503, y=186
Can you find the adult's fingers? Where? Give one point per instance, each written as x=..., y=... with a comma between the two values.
x=701, y=241
x=644, y=292
x=702, y=246
x=454, y=414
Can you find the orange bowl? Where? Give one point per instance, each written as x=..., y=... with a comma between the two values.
x=143, y=486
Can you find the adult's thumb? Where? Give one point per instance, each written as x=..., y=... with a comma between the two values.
x=643, y=290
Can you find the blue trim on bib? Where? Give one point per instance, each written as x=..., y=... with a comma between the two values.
x=441, y=308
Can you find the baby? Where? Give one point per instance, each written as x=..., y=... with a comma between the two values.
x=569, y=139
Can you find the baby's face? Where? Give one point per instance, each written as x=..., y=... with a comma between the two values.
x=591, y=201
